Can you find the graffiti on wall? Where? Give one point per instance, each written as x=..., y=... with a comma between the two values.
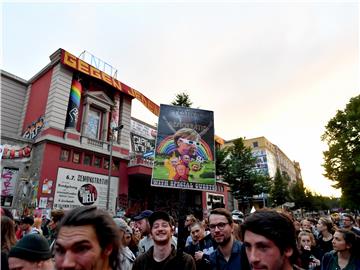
x=8, y=181
x=34, y=129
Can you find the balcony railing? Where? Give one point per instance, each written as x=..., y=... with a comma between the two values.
x=139, y=160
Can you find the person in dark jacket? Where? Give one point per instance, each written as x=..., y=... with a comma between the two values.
x=201, y=247
x=345, y=254
x=230, y=253
x=162, y=255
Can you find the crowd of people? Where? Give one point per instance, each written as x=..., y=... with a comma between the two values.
x=90, y=238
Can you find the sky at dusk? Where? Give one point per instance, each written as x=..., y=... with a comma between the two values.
x=275, y=69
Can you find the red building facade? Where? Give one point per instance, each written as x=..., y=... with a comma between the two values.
x=65, y=117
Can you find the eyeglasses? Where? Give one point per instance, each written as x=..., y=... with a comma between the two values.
x=188, y=141
x=220, y=226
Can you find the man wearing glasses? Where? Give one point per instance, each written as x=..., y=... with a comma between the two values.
x=349, y=223
x=230, y=253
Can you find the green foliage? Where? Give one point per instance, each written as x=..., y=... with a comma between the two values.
x=238, y=170
x=183, y=100
x=297, y=194
x=222, y=163
x=342, y=159
x=279, y=193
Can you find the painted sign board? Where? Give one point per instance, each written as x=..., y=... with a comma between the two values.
x=76, y=188
x=184, y=156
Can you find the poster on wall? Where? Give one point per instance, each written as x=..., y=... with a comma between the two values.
x=184, y=155
x=142, y=137
x=76, y=188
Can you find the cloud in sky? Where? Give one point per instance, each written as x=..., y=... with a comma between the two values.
x=279, y=70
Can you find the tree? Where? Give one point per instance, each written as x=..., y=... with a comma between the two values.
x=182, y=99
x=297, y=194
x=222, y=162
x=240, y=172
x=279, y=190
x=342, y=159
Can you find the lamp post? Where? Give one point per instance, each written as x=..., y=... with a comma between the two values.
x=118, y=128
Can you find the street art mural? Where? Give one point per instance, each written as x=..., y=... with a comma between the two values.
x=33, y=130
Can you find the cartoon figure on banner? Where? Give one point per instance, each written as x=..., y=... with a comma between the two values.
x=87, y=194
x=170, y=165
x=186, y=153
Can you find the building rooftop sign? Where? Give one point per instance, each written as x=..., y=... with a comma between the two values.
x=76, y=63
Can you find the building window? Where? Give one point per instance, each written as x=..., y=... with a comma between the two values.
x=255, y=144
x=97, y=162
x=106, y=164
x=115, y=166
x=64, y=155
x=76, y=157
x=87, y=159
x=94, y=122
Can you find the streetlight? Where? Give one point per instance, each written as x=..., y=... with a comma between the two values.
x=118, y=128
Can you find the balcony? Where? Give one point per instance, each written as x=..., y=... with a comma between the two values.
x=140, y=161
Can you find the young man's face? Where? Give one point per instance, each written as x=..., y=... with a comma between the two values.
x=221, y=230
x=161, y=232
x=143, y=226
x=263, y=254
x=77, y=248
x=347, y=222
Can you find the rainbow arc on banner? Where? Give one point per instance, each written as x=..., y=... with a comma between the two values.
x=167, y=146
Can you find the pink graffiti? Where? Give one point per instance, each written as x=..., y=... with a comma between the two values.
x=6, y=183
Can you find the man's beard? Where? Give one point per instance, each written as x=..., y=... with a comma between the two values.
x=225, y=241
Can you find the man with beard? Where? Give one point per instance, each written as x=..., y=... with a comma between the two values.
x=142, y=223
x=162, y=255
x=270, y=241
x=230, y=252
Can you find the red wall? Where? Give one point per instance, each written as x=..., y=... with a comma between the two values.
x=51, y=163
x=38, y=98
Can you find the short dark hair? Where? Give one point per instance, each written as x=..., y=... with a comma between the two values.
x=57, y=214
x=349, y=216
x=103, y=224
x=222, y=212
x=276, y=226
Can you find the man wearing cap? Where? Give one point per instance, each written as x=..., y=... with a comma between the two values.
x=31, y=252
x=126, y=257
x=26, y=225
x=142, y=223
x=162, y=255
